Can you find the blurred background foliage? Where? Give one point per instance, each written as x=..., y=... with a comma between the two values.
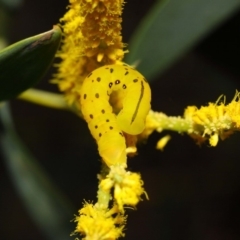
x=190, y=53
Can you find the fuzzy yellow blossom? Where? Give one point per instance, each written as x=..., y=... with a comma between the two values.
x=233, y=110
x=92, y=38
x=127, y=187
x=212, y=122
x=99, y=224
x=98, y=221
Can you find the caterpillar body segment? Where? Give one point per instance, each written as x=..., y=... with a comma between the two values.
x=104, y=125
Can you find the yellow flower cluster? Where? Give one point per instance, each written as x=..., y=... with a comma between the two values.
x=99, y=224
x=216, y=120
x=211, y=122
x=127, y=186
x=97, y=221
x=233, y=110
x=92, y=38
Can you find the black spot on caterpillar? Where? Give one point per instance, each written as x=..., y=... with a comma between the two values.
x=104, y=125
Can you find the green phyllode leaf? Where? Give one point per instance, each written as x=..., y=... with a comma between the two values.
x=47, y=205
x=24, y=63
x=171, y=28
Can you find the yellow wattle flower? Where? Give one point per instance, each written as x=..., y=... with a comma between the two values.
x=127, y=187
x=100, y=224
x=92, y=38
x=212, y=122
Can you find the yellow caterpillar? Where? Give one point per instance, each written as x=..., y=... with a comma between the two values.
x=106, y=127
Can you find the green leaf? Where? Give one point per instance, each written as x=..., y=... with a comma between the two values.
x=171, y=28
x=11, y=4
x=24, y=63
x=50, y=209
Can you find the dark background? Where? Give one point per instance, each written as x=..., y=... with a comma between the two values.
x=194, y=191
